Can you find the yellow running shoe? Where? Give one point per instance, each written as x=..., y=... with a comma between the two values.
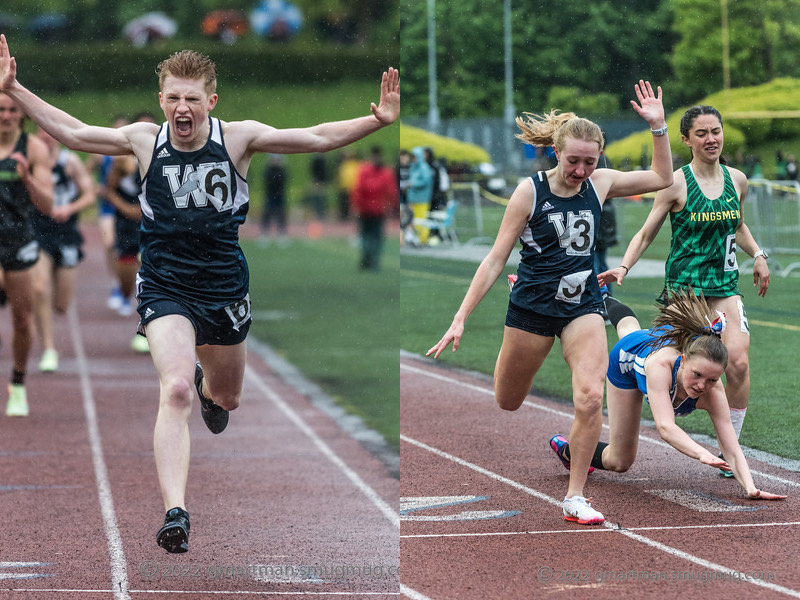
x=17, y=401
x=139, y=344
x=49, y=362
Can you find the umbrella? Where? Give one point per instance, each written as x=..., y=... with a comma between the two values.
x=148, y=28
x=277, y=19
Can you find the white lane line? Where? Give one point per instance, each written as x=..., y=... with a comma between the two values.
x=763, y=456
x=119, y=567
x=413, y=594
x=391, y=515
x=733, y=573
x=596, y=530
x=198, y=593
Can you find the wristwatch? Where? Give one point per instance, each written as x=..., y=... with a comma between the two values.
x=761, y=252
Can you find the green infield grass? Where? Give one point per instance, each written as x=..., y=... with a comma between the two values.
x=339, y=325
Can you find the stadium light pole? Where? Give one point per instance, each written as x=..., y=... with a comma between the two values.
x=433, y=108
x=726, y=56
x=510, y=112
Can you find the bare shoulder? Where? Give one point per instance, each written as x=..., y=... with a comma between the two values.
x=522, y=198
x=662, y=359
x=37, y=150
x=243, y=129
x=140, y=137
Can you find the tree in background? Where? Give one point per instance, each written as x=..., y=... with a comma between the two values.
x=764, y=41
x=593, y=47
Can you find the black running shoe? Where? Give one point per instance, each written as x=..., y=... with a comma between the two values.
x=215, y=417
x=174, y=535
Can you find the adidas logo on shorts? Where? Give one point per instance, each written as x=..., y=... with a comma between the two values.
x=163, y=154
x=149, y=313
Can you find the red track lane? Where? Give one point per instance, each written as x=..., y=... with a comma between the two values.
x=458, y=443
x=283, y=503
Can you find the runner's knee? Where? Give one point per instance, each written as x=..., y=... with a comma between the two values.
x=178, y=393
x=588, y=400
x=738, y=368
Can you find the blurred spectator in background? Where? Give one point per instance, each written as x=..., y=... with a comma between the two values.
x=791, y=168
x=346, y=174
x=420, y=193
x=441, y=186
x=275, y=179
x=225, y=25
x=150, y=27
x=374, y=196
x=402, y=174
x=402, y=171
x=276, y=19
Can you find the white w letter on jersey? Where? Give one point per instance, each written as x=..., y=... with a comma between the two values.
x=578, y=235
x=211, y=182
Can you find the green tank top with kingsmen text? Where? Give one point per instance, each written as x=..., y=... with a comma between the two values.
x=703, y=249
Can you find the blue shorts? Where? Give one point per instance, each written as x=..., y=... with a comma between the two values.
x=106, y=209
x=544, y=325
x=218, y=326
x=630, y=380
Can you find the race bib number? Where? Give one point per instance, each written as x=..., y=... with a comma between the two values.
x=239, y=312
x=576, y=236
x=730, y=254
x=571, y=287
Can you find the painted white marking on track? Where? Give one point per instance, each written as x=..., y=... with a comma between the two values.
x=727, y=571
x=203, y=593
x=413, y=594
x=23, y=565
x=600, y=530
x=415, y=504
x=700, y=501
x=119, y=567
x=387, y=511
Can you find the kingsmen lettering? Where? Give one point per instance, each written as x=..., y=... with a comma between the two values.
x=719, y=215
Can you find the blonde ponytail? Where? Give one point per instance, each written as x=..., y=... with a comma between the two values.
x=555, y=127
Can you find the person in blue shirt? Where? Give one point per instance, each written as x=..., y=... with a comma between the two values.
x=676, y=367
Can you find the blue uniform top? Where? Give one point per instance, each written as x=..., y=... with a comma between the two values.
x=556, y=260
x=192, y=206
x=626, y=367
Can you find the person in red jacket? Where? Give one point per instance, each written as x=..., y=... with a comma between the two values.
x=374, y=196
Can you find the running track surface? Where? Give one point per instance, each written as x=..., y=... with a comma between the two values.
x=283, y=503
x=481, y=516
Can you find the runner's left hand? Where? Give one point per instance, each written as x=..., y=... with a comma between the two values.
x=759, y=495
x=389, y=108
